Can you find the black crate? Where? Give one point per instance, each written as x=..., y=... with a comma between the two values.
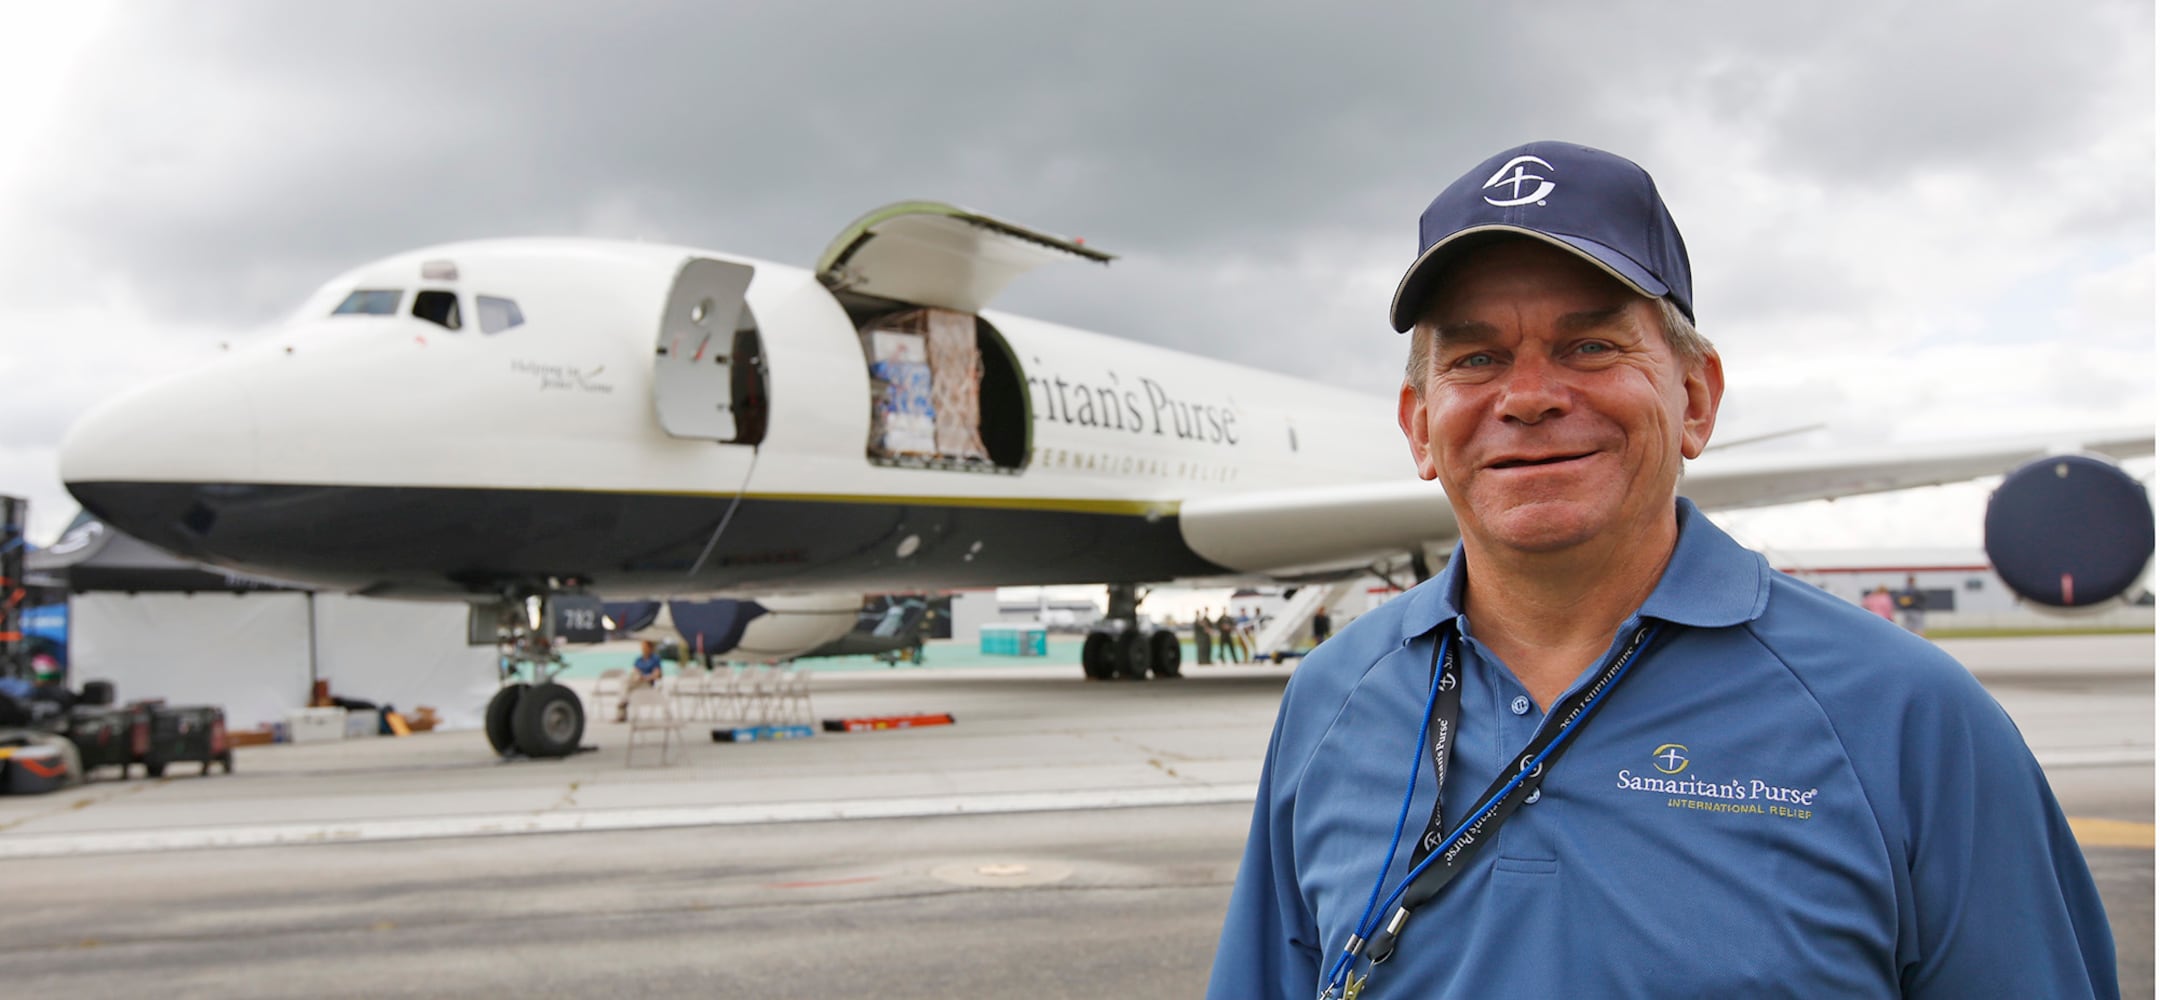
x=109, y=737
x=187, y=734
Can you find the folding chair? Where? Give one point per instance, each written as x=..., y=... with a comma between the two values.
x=794, y=697
x=760, y=694
x=651, y=714
x=609, y=689
x=690, y=691
x=730, y=694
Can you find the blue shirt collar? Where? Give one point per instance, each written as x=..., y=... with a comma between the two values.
x=1710, y=582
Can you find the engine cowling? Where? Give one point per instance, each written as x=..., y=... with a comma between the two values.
x=2069, y=531
x=768, y=629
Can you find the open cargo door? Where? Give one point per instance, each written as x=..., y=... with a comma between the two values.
x=926, y=253
x=707, y=381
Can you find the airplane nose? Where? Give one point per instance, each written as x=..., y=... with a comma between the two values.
x=194, y=428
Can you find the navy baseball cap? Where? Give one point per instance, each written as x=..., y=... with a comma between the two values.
x=1602, y=207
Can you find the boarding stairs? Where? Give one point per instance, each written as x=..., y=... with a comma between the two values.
x=1281, y=635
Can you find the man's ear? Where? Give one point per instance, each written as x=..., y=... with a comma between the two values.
x=1410, y=413
x=1705, y=387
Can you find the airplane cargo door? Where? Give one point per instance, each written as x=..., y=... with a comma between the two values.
x=708, y=381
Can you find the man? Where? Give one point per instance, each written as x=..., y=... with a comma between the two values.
x=1668, y=770
x=1233, y=646
x=644, y=672
x=1203, y=649
x=1912, y=606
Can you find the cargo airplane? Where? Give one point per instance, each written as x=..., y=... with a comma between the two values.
x=531, y=425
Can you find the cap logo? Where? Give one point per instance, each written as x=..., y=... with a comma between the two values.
x=1515, y=182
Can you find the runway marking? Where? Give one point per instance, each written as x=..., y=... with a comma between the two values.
x=822, y=883
x=2111, y=833
x=2094, y=757
x=54, y=845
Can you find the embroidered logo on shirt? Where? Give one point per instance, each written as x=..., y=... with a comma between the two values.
x=1742, y=796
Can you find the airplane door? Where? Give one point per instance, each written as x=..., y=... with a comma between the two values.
x=928, y=253
x=696, y=376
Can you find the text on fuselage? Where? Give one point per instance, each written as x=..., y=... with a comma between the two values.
x=1141, y=409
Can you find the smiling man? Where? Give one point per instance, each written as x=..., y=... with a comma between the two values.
x=1608, y=752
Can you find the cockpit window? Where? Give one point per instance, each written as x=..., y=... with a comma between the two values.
x=437, y=307
x=369, y=302
x=497, y=314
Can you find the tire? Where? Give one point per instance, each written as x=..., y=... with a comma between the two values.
x=1164, y=655
x=549, y=722
x=225, y=761
x=1095, y=658
x=1131, y=655
x=154, y=768
x=499, y=710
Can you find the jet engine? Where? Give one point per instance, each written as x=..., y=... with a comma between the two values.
x=2069, y=531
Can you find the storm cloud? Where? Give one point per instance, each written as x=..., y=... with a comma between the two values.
x=1883, y=179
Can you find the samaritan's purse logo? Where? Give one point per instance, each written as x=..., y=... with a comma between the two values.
x=1744, y=796
x=1515, y=182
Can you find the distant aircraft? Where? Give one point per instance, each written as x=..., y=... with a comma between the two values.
x=533, y=424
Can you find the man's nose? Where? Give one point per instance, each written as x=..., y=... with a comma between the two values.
x=1534, y=389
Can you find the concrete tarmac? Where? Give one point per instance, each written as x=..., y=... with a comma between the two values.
x=1064, y=839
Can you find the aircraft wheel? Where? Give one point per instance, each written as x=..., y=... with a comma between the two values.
x=1131, y=654
x=549, y=722
x=1165, y=655
x=499, y=710
x=1095, y=659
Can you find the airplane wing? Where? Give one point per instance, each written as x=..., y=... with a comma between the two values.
x=1304, y=531
x=1726, y=482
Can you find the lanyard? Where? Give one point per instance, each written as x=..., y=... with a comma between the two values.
x=1434, y=866
x=1440, y=736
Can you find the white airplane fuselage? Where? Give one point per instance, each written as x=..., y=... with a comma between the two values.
x=531, y=424
x=391, y=455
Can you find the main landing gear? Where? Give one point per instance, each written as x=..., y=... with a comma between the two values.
x=1120, y=648
x=535, y=717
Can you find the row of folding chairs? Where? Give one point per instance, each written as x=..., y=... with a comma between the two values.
x=753, y=695
x=758, y=695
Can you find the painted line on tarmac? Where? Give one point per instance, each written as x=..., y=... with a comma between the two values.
x=54, y=845
x=2111, y=833
x=2094, y=756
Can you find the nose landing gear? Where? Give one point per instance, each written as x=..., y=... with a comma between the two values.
x=535, y=718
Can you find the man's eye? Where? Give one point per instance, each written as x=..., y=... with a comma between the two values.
x=1594, y=347
x=1474, y=361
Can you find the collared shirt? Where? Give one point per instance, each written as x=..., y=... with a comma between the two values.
x=1786, y=797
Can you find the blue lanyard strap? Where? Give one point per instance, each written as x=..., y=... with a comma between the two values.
x=1508, y=791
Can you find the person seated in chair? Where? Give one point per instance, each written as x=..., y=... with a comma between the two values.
x=645, y=673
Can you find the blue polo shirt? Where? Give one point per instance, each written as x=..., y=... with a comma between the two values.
x=1787, y=796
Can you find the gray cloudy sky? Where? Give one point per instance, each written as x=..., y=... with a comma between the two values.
x=1909, y=221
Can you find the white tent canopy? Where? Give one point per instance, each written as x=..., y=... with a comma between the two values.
x=257, y=655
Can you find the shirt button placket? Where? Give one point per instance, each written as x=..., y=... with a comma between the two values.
x=1521, y=707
